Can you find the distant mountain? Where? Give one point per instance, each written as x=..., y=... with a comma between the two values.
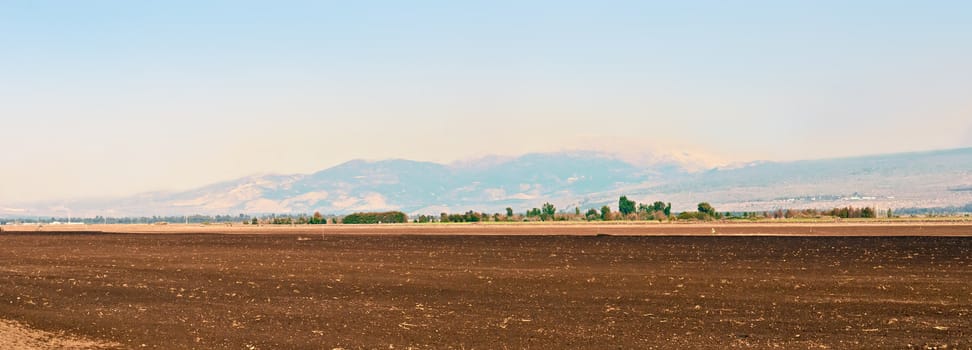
x=568, y=179
x=918, y=179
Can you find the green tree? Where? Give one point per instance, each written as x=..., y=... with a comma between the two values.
x=688, y=215
x=658, y=206
x=509, y=212
x=318, y=218
x=668, y=209
x=706, y=208
x=626, y=206
x=592, y=215
x=533, y=212
x=605, y=213
x=868, y=212
x=548, y=212
x=255, y=221
x=549, y=209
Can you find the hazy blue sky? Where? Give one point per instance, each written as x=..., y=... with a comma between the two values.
x=102, y=98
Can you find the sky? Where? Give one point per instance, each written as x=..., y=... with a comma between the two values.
x=111, y=98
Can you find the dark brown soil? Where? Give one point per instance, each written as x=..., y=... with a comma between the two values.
x=491, y=292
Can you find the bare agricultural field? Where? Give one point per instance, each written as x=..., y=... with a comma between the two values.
x=14, y=335
x=494, y=286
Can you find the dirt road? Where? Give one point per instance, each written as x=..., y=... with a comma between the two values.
x=956, y=228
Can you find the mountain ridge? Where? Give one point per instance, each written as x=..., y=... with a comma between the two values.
x=567, y=179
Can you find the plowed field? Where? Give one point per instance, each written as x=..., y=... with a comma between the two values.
x=282, y=291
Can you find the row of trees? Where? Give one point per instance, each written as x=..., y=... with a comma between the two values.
x=316, y=219
x=851, y=212
x=643, y=211
x=704, y=211
x=469, y=216
x=630, y=210
x=627, y=210
x=388, y=217
x=660, y=211
x=844, y=213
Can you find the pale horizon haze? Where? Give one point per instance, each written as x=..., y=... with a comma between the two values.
x=112, y=98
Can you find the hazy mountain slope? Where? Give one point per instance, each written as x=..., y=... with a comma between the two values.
x=584, y=179
x=920, y=179
x=397, y=184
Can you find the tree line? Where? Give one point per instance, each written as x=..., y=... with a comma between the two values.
x=389, y=217
x=627, y=209
x=630, y=210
